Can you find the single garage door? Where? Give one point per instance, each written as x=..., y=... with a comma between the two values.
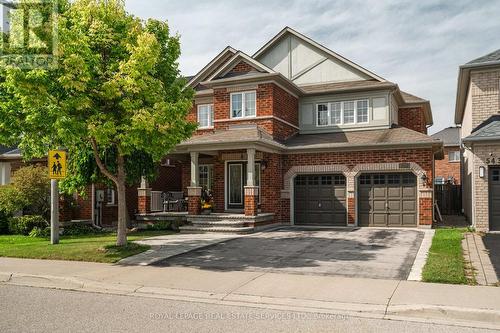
x=320, y=200
x=387, y=200
x=494, y=185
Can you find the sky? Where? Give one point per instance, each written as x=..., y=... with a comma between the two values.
x=417, y=44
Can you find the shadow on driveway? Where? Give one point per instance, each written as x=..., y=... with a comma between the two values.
x=364, y=252
x=492, y=244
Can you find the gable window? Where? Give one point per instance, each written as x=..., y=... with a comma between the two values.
x=342, y=113
x=205, y=116
x=454, y=156
x=243, y=104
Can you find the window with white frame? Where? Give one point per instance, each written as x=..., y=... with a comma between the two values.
x=206, y=178
x=111, y=196
x=205, y=116
x=454, y=156
x=243, y=104
x=342, y=113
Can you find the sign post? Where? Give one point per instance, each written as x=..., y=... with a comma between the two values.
x=57, y=170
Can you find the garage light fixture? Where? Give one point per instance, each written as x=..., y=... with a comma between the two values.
x=481, y=171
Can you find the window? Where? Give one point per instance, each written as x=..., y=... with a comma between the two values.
x=111, y=196
x=378, y=179
x=349, y=112
x=454, y=156
x=243, y=104
x=362, y=111
x=206, y=176
x=338, y=113
x=205, y=116
x=322, y=114
x=439, y=181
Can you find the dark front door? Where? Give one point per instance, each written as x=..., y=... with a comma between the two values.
x=387, y=200
x=320, y=200
x=236, y=180
x=494, y=189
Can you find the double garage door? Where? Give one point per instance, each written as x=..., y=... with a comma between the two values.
x=383, y=200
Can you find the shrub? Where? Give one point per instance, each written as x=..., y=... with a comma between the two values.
x=79, y=229
x=22, y=225
x=4, y=223
x=160, y=225
x=39, y=232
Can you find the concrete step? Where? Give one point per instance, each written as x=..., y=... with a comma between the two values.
x=218, y=223
x=230, y=230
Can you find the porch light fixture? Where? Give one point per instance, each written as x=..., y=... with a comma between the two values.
x=481, y=172
x=424, y=177
x=263, y=165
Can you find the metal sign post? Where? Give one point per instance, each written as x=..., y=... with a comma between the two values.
x=57, y=170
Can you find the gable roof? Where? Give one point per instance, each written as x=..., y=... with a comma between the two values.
x=450, y=136
x=234, y=60
x=491, y=59
x=209, y=68
x=309, y=41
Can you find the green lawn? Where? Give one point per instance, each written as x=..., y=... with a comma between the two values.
x=445, y=263
x=95, y=248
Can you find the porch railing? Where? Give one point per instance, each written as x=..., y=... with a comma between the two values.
x=156, y=201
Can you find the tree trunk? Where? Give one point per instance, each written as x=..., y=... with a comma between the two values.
x=121, y=237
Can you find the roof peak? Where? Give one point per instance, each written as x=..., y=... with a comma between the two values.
x=487, y=58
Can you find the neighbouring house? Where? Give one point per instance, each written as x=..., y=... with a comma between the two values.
x=297, y=134
x=99, y=204
x=447, y=170
x=478, y=113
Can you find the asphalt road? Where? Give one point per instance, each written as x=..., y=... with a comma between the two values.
x=26, y=309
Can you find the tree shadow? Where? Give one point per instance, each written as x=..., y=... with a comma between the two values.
x=349, y=252
x=492, y=244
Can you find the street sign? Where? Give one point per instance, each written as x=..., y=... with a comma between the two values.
x=57, y=164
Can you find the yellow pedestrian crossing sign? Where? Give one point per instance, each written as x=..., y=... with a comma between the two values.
x=57, y=164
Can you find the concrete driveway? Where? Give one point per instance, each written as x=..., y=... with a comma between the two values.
x=363, y=252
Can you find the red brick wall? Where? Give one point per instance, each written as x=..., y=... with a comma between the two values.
x=425, y=211
x=445, y=168
x=242, y=67
x=413, y=118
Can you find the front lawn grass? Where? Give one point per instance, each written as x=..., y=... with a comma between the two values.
x=445, y=263
x=95, y=248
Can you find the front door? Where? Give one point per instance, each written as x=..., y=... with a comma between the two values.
x=235, y=183
x=236, y=180
x=494, y=188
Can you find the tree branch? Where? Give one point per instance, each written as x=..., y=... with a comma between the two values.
x=100, y=164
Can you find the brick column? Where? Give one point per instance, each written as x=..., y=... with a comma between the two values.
x=425, y=208
x=194, y=200
x=144, y=197
x=351, y=198
x=251, y=200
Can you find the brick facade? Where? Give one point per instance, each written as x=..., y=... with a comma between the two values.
x=413, y=118
x=446, y=169
x=485, y=93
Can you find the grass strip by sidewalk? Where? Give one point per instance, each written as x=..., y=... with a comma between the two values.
x=93, y=248
x=445, y=263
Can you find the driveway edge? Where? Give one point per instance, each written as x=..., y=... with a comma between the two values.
x=421, y=258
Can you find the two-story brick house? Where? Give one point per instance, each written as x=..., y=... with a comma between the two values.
x=478, y=111
x=301, y=135
x=448, y=169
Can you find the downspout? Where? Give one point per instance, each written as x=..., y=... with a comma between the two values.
x=472, y=189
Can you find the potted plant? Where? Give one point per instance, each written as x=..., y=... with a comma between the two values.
x=207, y=202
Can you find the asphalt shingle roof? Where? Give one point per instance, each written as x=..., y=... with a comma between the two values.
x=345, y=86
x=450, y=136
x=488, y=130
x=490, y=57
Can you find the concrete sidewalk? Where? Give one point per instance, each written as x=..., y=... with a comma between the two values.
x=374, y=298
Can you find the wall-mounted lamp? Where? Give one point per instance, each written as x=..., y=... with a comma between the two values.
x=263, y=165
x=481, y=171
x=424, y=178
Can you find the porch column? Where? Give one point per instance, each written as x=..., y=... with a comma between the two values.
x=194, y=191
x=144, y=197
x=251, y=191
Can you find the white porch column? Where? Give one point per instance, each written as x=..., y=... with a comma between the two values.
x=251, y=167
x=194, y=169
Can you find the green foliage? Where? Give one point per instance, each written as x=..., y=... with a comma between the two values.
x=23, y=225
x=77, y=229
x=160, y=225
x=38, y=232
x=4, y=222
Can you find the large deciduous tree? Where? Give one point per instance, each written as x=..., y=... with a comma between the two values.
x=115, y=100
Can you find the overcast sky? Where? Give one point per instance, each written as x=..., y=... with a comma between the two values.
x=417, y=44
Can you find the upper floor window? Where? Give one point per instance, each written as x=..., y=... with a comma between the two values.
x=205, y=116
x=243, y=104
x=454, y=156
x=342, y=113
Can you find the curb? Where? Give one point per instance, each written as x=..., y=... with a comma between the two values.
x=455, y=316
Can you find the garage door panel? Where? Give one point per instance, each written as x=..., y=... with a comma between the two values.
x=387, y=199
x=320, y=199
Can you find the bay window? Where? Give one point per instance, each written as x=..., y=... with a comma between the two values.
x=243, y=104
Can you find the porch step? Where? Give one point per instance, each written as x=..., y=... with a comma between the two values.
x=218, y=223
x=231, y=230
